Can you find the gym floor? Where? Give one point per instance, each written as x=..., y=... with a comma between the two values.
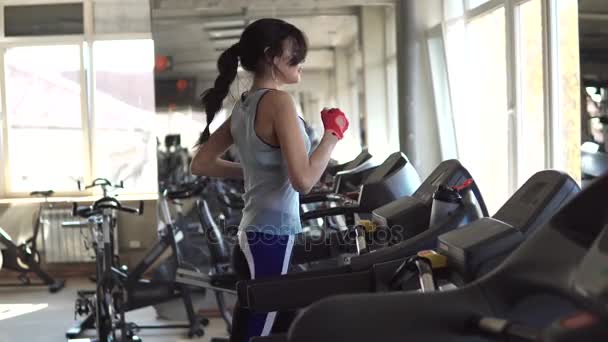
x=49, y=323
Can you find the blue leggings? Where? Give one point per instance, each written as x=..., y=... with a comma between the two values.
x=267, y=255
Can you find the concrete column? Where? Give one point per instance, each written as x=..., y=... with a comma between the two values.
x=418, y=131
x=373, y=48
x=345, y=101
x=392, y=90
x=355, y=85
x=406, y=27
x=341, y=81
x=332, y=94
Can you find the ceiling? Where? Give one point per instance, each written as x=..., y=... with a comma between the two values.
x=262, y=4
x=191, y=30
x=194, y=32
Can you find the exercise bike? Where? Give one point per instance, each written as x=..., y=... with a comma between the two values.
x=104, y=305
x=123, y=289
x=25, y=257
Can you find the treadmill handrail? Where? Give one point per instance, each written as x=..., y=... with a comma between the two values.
x=326, y=212
x=317, y=286
x=323, y=197
x=370, y=163
x=360, y=159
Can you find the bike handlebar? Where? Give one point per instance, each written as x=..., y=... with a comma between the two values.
x=105, y=203
x=100, y=182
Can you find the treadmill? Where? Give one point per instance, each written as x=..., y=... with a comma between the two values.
x=399, y=219
x=553, y=287
x=393, y=179
x=531, y=206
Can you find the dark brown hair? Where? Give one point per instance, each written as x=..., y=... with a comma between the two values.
x=261, y=39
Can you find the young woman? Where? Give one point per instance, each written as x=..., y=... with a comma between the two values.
x=275, y=158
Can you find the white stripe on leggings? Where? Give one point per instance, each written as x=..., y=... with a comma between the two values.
x=244, y=243
x=272, y=315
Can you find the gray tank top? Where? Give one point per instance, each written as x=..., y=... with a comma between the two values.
x=272, y=205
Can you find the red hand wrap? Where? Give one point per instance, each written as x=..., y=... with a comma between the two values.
x=334, y=121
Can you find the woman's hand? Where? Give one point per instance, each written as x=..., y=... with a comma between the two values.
x=304, y=170
x=334, y=121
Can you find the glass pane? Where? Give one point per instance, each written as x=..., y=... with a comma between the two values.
x=477, y=67
x=456, y=60
x=532, y=117
x=441, y=92
x=569, y=156
x=452, y=8
x=119, y=16
x=475, y=3
x=125, y=145
x=45, y=139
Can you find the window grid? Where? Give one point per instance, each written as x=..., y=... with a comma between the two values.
x=550, y=71
x=87, y=98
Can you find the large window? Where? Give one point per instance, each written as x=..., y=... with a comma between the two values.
x=77, y=102
x=45, y=141
x=508, y=122
x=480, y=111
x=443, y=105
x=453, y=8
x=124, y=140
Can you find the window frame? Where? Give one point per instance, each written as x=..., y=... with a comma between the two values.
x=551, y=78
x=85, y=41
x=5, y=159
x=439, y=32
x=90, y=75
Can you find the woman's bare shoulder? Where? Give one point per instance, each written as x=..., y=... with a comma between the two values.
x=278, y=100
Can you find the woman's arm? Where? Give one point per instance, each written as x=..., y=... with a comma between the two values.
x=304, y=171
x=207, y=161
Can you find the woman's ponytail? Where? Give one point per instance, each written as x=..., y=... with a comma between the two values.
x=213, y=98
